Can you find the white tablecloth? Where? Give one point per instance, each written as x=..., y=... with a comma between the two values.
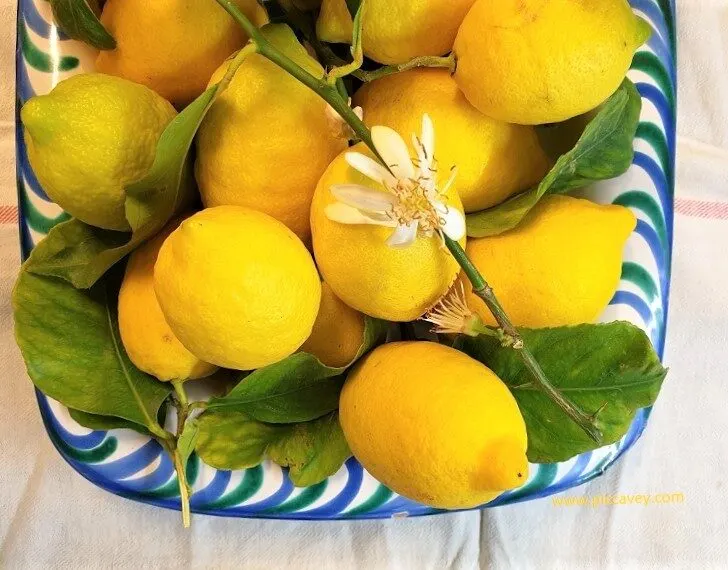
x=52, y=518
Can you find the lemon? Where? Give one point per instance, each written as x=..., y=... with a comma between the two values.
x=545, y=61
x=147, y=338
x=394, y=284
x=560, y=266
x=494, y=160
x=172, y=46
x=338, y=332
x=395, y=31
x=237, y=287
x=434, y=425
x=266, y=141
x=89, y=138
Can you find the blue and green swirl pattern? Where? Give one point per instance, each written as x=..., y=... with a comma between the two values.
x=134, y=466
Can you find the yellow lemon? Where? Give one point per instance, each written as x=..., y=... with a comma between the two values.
x=545, y=61
x=494, y=160
x=147, y=338
x=395, y=31
x=172, y=46
x=560, y=266
x=390, y=283
x=237, y=287
x=90, y=137
x=266, y=141
x=338, y=332
x=434, y=425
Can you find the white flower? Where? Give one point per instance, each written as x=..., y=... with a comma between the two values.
x=409, y=200
x=338, y=126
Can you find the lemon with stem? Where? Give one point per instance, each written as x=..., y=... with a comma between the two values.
x=559, y=267
x=376, y=230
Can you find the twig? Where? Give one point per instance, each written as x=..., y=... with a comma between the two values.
x=515, y=340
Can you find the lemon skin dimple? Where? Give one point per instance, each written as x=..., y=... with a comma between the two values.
x=147, y=338
x=159, y=44
x=395, y=284
x=494, y=160
x=266, y=140
x=237, y=287
x=545, y=61
x=434, y=425
x=559, y=267
x=89, y=138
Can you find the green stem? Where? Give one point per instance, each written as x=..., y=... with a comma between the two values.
x=184, y=488
x=329, y=93
x=446, y=62
x=183, y=407
x=481, y=288
x=515, y=341
x=183, y=410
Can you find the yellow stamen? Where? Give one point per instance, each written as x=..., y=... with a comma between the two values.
x=453, y=316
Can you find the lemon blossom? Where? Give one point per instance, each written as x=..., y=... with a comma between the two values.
x=409, y=201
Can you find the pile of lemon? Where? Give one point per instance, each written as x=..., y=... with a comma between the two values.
x=261, y=271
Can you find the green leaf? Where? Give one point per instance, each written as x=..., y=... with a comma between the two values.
x=312, y=450
x=296, y=389
x=610, y=370
x=229, y=439
x=603, y=151
x=73, y=352
x=81, y=254
x=79, y=19
x=105, y=423
x=187, y=441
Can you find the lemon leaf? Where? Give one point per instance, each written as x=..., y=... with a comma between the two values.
x=603, y=151
x=79, y=20
x=187, y=442
x=105, y=423
x=608, y=370
x=229, y=439
x=311, y=450
x=296, y=389
x=72, y=348
x=81, y=254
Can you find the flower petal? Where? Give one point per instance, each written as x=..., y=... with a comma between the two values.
x=394, y=151
x=364, y=198
x=453, y=221
x=404, y=235
x=369, y=167
x=343, y=214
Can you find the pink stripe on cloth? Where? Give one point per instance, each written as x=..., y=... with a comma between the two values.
x=702, y=209
x=8, y=214
x=683, y=206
